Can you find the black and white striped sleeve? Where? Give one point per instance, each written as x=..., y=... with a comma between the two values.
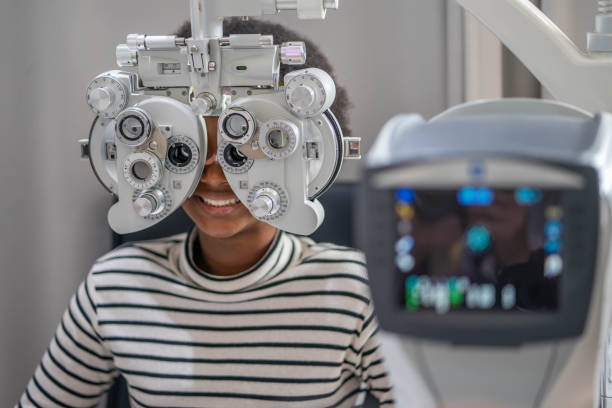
x=372, y=364
x=77, y=369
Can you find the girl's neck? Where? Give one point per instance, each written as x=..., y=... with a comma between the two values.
x=233, y=255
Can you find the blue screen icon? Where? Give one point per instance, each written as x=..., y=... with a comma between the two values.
x=552, y=246
x=475, y=196
x=553, y=230
x=405, y=195
x=527, y=196
x=478, y=239
x=484, y=196
x=404, y=245
x=405, y=262
x=467, y=196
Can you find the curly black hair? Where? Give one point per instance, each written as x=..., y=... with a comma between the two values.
x=315, y=57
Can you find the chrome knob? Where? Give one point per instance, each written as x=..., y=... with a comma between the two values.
x=149, y=202
x=107, y=95
x=101, y=98
x=302, y=97
x=144, y=206
x=266, y=202
x=309, y=92
x=203, y=104
x=262, y=206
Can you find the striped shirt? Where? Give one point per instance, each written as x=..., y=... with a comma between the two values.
x=296, y=330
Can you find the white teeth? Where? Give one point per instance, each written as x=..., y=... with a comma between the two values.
x=219, y=203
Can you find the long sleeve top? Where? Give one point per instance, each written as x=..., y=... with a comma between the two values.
x=296, y=330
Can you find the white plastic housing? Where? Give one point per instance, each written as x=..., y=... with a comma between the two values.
x=309, y=92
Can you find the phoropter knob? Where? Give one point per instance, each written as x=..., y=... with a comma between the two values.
x=266, y=202
x=107, y=96
x=309, y=92
x=149, y=202
x=203, y=104
x=101, y=98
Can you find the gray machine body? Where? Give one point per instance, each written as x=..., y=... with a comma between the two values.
x=497, y=359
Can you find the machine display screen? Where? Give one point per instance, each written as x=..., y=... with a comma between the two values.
x=479, y=248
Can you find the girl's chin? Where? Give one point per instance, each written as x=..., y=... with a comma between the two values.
x=224, y=222
x=216, y=231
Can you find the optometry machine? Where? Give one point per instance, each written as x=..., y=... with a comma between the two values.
x=488, y=232
x=279, y=145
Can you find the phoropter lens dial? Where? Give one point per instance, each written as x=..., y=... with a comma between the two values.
x=234, y=157
x=134, y=126
x=236, y=125
x=278, y=139
x=231, y=159
x=183, y=155
x=142, y=170
x=131, y=128
x=179, y=154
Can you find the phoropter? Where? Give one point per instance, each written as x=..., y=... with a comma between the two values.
x=280, y=147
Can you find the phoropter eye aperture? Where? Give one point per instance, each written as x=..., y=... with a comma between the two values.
x=179, y=154
x=235, y=125
x=134, y=126
x=131, y=127
x=141, y=170
x=233, y=156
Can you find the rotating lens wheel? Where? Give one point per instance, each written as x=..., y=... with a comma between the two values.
x=142, y=170
x=278, y=139
x=232, y=160
x=134, y=127
x=183, y=155
x=236, y=125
